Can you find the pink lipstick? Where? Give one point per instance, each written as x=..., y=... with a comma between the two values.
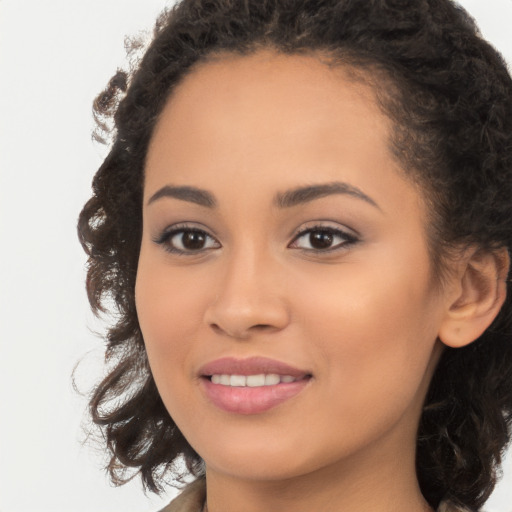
x=251, y=386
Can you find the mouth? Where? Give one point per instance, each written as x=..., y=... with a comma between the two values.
x=252, y=381
x=251, y=386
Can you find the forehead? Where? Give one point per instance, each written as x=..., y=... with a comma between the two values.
x=302, y=85
x=272, y=102
x=246, y=127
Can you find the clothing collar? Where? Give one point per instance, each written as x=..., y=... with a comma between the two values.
x=193, y=497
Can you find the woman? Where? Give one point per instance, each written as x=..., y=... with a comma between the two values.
x=304, y=227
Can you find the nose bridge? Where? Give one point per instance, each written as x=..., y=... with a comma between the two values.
x=249, y=295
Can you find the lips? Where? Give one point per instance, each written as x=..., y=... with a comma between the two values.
x=250, y=366
x=251, y=386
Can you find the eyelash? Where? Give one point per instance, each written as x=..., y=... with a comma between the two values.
x=165, y=239
x=348, y=239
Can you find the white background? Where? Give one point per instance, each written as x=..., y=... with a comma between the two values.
x=55, y=56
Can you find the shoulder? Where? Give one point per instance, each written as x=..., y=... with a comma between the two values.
x=193, y=496
x=191, y=499
x=447, y=506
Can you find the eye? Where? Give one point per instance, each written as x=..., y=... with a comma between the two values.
x=322, y=239
x=180, y=240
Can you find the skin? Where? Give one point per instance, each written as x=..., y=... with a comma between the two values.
x=363, y=319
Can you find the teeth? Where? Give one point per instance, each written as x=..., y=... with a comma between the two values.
x=238, y=380
x=271, y=379
x=252, y=381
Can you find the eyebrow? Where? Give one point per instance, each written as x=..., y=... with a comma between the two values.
x=288, y=199
x=305, y=194
x=185, y=193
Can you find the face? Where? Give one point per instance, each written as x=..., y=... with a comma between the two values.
x=284, y=288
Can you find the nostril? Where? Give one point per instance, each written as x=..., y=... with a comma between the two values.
x=242, y=333
x=216, y=328
x=232, y=333
x=261, y=327
x=238, y=317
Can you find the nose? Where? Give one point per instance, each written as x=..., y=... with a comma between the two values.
x=249, y=299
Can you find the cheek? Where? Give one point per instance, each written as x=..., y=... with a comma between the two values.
x=375, y=329
x=168, y=313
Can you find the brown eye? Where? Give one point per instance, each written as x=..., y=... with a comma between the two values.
x=322, y=239
x=192, y=240
x=187, y=241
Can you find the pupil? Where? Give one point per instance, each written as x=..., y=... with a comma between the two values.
x=320, y=239
x=193, y=240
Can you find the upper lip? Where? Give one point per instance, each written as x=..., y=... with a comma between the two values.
x=250, y=366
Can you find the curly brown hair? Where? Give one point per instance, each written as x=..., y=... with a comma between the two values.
x=449, y=95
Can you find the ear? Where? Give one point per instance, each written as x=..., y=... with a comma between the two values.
x=478, y=291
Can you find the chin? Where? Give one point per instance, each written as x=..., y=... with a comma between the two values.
x=274, y=468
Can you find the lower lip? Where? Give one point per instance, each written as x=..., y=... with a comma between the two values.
x=247, y=400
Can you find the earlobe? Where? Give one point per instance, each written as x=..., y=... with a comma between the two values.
x=480, y=292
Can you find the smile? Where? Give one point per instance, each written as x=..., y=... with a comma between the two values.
x=252, y=381
x=251, y=386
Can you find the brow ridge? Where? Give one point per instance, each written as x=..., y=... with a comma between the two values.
x=287, y=199
x=305, y=194
x=185, y=193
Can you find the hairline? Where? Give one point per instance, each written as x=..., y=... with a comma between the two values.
x=359, y=68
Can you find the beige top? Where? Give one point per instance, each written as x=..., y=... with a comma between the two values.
x=193, y=497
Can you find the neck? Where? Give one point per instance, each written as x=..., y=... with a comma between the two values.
x=386, y=484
